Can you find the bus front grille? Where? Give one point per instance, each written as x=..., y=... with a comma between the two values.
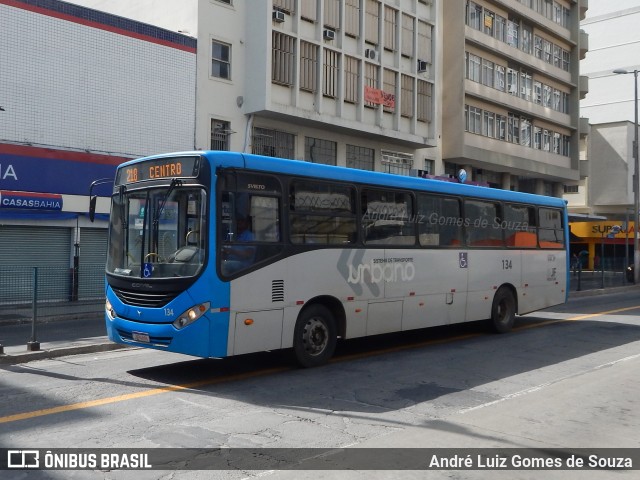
x=144, y=299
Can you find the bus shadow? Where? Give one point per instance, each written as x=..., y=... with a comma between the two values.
x=391, y=372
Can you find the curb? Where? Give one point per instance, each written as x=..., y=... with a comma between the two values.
x=6, y=359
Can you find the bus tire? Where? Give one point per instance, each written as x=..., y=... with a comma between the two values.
x=503, y=310
x=314, y=337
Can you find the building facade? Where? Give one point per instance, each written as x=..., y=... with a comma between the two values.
x=81, y=91
x=511, y=102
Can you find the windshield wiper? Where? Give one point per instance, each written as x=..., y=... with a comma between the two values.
x=156, y=215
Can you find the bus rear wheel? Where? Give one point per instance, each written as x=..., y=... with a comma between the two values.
x=503, y=311
x=314, y=338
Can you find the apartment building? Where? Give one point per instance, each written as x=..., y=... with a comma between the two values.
x=512, y=90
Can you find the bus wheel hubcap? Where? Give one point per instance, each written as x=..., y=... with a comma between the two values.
x=315, y=336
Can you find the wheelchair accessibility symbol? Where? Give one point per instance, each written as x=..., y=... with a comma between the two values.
x=147, y=270
x=463, y=260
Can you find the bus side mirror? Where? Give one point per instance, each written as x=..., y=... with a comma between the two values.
x=92, y=207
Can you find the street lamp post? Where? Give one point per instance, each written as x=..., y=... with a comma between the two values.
x=636, y=177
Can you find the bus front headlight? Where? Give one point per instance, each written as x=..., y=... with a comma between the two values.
x=109, y=309
x=191, y=315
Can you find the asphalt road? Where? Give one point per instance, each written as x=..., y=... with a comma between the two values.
x=565, y=379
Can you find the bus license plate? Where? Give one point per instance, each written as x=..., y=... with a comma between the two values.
x=140, y=337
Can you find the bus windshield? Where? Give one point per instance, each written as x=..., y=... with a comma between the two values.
x=157, y=232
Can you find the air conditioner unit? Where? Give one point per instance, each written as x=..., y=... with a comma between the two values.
x=371, y=54
x=422, y=66
x=329, y=34
x=278, y=16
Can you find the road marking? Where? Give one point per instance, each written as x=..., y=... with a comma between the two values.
x=253, y=374
x=599, y=314
x=547, y=384
x=132, y=396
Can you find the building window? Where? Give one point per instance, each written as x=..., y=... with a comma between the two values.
x=406, y=96
x=489, y=124
x=283, y=59
x=317, y=150
x=513, y=133
x=473, y=67
x=501, y=28
x=220, y=60
x=424, y=41
x=330, y=73
x=371, y=80
x=284, y=5
x=424, y=101
x=308, y=66
x=513, y=33
x=220, y=131
x=488, y=74
x=273, y=143
x=352, y=18
x=390, y=24
x=308, y=10
x=500, y=78
x=351, y=75
x=371, y=22
x=407, y=36
x=360, y=157
x=332, y=14
x=474, y=119
x=512, y=81
x=396, y=162
x=389, y=86
x=474, y=15
x=489, y=21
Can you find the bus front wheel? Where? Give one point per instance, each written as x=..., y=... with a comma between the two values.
x=503, y=310
x=314, y=338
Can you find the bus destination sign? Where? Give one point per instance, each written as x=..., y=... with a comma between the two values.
x=158, y=168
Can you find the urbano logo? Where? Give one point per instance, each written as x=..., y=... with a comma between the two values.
x=382, y=269
x=23, y=459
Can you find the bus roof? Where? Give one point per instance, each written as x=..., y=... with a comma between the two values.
x=329, y=172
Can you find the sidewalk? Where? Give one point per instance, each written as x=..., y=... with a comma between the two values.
x=56, y=337
x=81, y=328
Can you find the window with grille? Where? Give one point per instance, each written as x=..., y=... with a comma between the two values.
x=330, y=73
x=389, y=86
x=220, y=131
x=396, y=162
x=390, y=24
x=406, y=96
x=407, y=36
x=424, y=101
x=317, y=150
x=285, y=5
x=351, y=66
x=360, y=157
x=220, y=60
x=273, y=143
x=283, y=59
x=371, y=80
x=308, y=10
x=308, y=66
x=424, y=41
x=332, y=14
x=351, y=18
x=371, y=22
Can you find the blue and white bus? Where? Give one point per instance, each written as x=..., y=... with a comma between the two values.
x=214, y=254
